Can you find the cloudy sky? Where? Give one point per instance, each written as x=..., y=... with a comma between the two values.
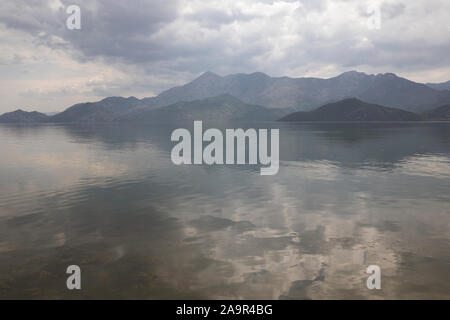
x=142, y=47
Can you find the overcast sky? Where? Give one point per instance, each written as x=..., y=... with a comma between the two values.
x=143, y=47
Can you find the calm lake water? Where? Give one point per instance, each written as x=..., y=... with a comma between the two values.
x=109, y=199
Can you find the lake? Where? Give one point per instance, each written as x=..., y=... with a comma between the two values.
x=108, y=199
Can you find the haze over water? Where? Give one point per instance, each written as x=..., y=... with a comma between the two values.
x=109, y=199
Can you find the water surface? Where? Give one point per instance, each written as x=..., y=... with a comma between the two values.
x=109, y=199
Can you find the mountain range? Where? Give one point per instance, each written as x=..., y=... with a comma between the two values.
x=106, y=110
x=257, y=97
x=20, y=116
x=304, y=94
x=352, y=110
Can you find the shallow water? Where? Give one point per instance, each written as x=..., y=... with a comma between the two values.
x=109, y=199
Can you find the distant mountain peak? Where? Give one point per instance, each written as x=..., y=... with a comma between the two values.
x=387, y=75
x=20, y=116
x=352, y=109
x=352, y=73
x=117, y=98
x=208, y=74
x=352, y=100
x=20, y=111
x=258, y=74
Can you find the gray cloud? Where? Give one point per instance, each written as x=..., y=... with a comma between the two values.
x=128, y=31
x=158, y=44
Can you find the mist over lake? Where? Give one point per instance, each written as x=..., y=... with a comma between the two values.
x=108, y=198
